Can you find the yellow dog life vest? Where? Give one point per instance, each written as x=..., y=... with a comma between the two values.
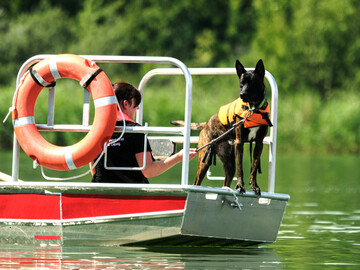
x=239, y=108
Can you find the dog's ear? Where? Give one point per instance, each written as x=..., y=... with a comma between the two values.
x=239, y=68
x=260, y=69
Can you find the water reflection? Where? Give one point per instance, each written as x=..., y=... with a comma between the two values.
x=316, y=237
x=15, y=257
x=320, y=229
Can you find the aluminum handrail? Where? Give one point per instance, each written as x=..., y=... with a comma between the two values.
x=132, y=129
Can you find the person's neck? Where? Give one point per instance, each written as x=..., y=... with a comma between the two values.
x=126, y=117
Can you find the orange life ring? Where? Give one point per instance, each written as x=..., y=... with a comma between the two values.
x=44, y=73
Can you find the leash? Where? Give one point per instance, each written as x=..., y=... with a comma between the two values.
x=210, y=144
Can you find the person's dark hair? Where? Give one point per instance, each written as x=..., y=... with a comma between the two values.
x=125, y=91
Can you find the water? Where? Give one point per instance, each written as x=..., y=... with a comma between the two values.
x=321, y=229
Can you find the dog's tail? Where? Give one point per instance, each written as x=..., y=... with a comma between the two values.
x=193, y=126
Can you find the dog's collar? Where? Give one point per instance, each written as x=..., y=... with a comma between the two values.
x=255, y=108
x=262, y=103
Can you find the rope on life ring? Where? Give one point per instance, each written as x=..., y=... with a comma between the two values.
x=44, y=74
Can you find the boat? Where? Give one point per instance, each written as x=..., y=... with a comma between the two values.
x=61, y=213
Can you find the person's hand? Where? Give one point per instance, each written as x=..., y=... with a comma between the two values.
x=192, y=153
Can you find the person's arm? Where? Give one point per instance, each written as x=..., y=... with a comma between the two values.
x=154, y=168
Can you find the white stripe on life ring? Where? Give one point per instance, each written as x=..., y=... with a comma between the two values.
x=23, y=121
x=85, y=78
x=104, y=101
x=40, y=79
x=68, y=158
x=53, y=69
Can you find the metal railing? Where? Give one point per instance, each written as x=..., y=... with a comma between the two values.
x=183, y=133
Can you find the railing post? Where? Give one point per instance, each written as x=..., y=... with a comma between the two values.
x=51, y=106
x=15, y=160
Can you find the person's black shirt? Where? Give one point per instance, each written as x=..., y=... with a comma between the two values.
x=122, y=154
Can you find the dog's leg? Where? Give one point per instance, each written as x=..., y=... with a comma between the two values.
x=202, y=168
x=229, y=169
x=225, y=152
x=256, y=163
x=240, y=173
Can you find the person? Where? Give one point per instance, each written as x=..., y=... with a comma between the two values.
x=129, y=151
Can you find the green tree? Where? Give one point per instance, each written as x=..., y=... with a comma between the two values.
x=310, y=44
x=181, y=29
x=31, y=34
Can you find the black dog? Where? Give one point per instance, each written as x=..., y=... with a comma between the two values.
x=252, y=110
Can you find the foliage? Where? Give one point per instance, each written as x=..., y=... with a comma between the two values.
x=311, y=47
x=306, y=124
x=31, y=34
x=310, y=44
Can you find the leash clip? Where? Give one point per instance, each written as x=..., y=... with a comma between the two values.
x=235, y=203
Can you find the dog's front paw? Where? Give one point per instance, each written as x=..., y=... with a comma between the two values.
x=240, y=189
x=257, y=191
x=255, y=188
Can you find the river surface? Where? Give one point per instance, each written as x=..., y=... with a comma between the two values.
x=320, y=230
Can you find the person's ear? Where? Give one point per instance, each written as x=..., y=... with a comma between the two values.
x=126, y=104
